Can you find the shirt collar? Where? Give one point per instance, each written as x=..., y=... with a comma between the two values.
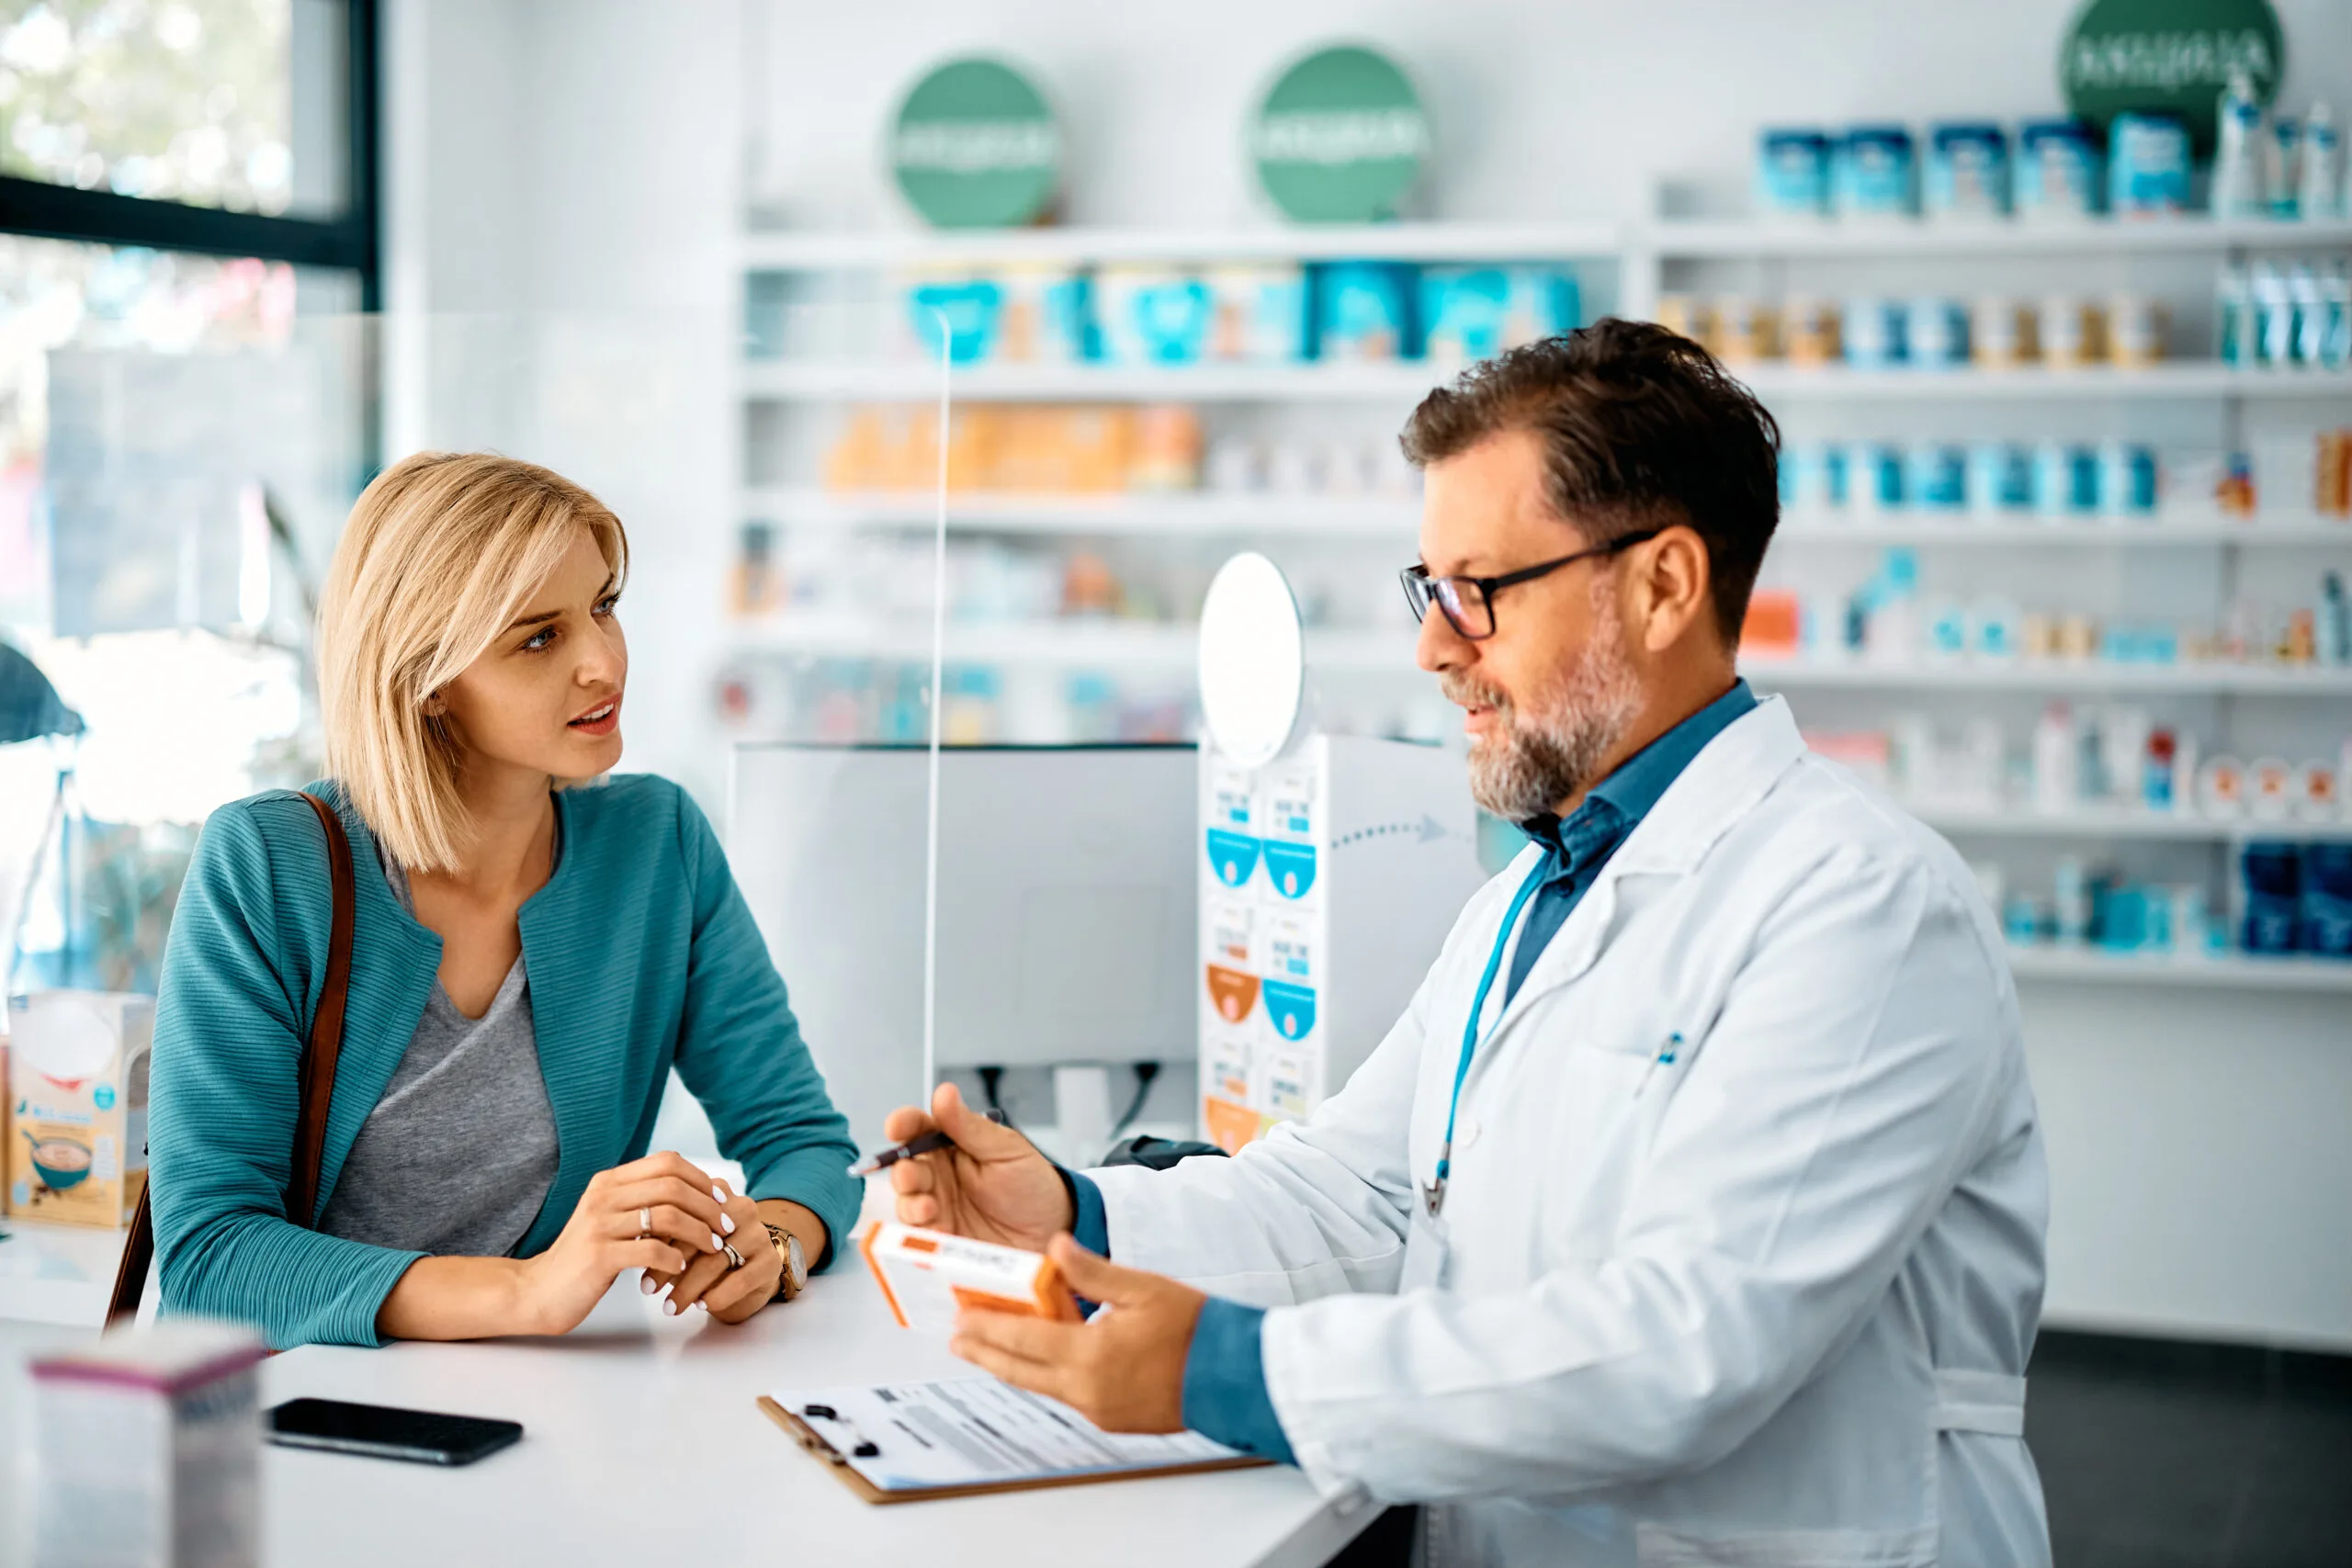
x=1627, y=794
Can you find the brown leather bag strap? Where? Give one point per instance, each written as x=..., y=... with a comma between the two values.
x=315, y=1075
x=325, y=1044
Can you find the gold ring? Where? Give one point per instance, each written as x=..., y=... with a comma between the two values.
x=644, y=1222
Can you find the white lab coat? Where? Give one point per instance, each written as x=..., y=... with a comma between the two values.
x=1769, y=1305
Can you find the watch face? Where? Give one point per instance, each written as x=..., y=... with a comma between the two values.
x=795, y=1260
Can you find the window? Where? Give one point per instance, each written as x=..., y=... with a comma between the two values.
x=187, y=255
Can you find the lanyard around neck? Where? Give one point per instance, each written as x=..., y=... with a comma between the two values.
x=1433, y=1195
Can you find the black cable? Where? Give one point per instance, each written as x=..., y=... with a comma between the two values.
x=991, y=1083
x=1145, y=1073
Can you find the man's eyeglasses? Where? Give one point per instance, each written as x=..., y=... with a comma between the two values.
x=1468, y=602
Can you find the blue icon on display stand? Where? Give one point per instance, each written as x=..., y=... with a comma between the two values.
x=1291, y=1007
x=1234, y=856
x=1291, y=868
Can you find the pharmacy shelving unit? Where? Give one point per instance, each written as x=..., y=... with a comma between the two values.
x=2174, y=551
x=1641, y=258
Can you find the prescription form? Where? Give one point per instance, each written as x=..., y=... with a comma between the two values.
x=979, y=1431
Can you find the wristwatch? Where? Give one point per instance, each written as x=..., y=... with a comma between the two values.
x=795, y=1261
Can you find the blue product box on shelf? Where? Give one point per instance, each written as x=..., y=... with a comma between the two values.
x=1363, y=311
x=1874, y=172
x=2327, y=900
x=2273, y=878
x=1260, y=313
x=1153, y=315
x=2147, y=165
x=1793, y=173
x=1968, y=171
x=1477, y=312
x=967, y=311
x=2058, y=169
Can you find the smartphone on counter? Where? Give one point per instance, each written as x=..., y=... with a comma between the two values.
x=424, y=1436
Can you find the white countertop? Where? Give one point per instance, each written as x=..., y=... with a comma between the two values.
x=641, y=1444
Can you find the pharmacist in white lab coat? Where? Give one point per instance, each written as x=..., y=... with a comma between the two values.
x=1693, y=1212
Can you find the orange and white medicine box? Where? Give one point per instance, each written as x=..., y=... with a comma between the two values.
x=929, y=1276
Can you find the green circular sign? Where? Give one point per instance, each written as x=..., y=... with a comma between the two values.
x=1341, y=138
x=2170, y=55
x=975, y=146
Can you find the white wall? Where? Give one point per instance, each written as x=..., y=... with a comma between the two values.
x=1542, y=108
x=564, y=191
x=577, y=167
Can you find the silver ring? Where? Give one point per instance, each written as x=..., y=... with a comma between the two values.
x=734, y=1258
x=644, y=1222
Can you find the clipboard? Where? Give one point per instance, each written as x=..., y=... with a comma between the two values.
x=839, y=1463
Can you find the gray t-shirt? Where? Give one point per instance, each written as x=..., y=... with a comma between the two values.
x=457, y=1156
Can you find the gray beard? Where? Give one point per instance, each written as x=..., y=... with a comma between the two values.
x=1533, y=761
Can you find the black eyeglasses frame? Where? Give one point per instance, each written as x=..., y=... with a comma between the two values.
x=1422, y=590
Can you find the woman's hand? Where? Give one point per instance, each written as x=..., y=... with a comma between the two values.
x=656, y=1213
x=727, y=1293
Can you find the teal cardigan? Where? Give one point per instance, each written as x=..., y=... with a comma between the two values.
x=642, y=956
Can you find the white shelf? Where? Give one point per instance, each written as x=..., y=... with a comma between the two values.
x=1362, y=516
x=1199, y=512
x=2187, y=234
x=2051, y=675
x=1133, y=644
x=2180, y=379
x=821, y=251
x=2276, y=530
x=2284, y=973
x=1082, y=644
x=1402, y=382
x=2022, y=821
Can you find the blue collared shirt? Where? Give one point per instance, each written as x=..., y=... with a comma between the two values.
x=1225, y=1371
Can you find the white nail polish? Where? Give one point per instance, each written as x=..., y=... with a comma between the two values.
x=715, y=1243
x=718, y=1192
x=727, y=1223
x=645, y=1285
x=669, y=1309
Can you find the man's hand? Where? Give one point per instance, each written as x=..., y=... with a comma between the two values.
x=1123, y=1371
x=992, y=1185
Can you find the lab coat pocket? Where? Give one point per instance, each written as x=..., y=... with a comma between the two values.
x=1607, y=1107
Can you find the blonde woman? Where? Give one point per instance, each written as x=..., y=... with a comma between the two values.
x=529, y=962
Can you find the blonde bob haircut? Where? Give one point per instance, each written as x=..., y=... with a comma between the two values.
x=440, y=555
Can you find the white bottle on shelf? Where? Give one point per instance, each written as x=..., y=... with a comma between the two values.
x=2056, y=752
x=2321, y=195
x=2237, y=166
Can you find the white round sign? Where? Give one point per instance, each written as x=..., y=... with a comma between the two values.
x=1253, y=664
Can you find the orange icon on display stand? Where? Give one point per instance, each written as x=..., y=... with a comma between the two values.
x=1230, y=1126
x=1234, y=993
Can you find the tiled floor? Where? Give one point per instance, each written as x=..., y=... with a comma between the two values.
x=2162, y=1455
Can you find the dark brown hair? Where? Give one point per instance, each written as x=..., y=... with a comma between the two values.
x=1640, y=429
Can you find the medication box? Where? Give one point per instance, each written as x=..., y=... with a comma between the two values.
x=77, y=1093
x=2147, y=165
x=929, y=1276
x=2058, y=170
x=1793, y=173
x=1874, y=172
x=1477, y=312
x=146, y=1450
